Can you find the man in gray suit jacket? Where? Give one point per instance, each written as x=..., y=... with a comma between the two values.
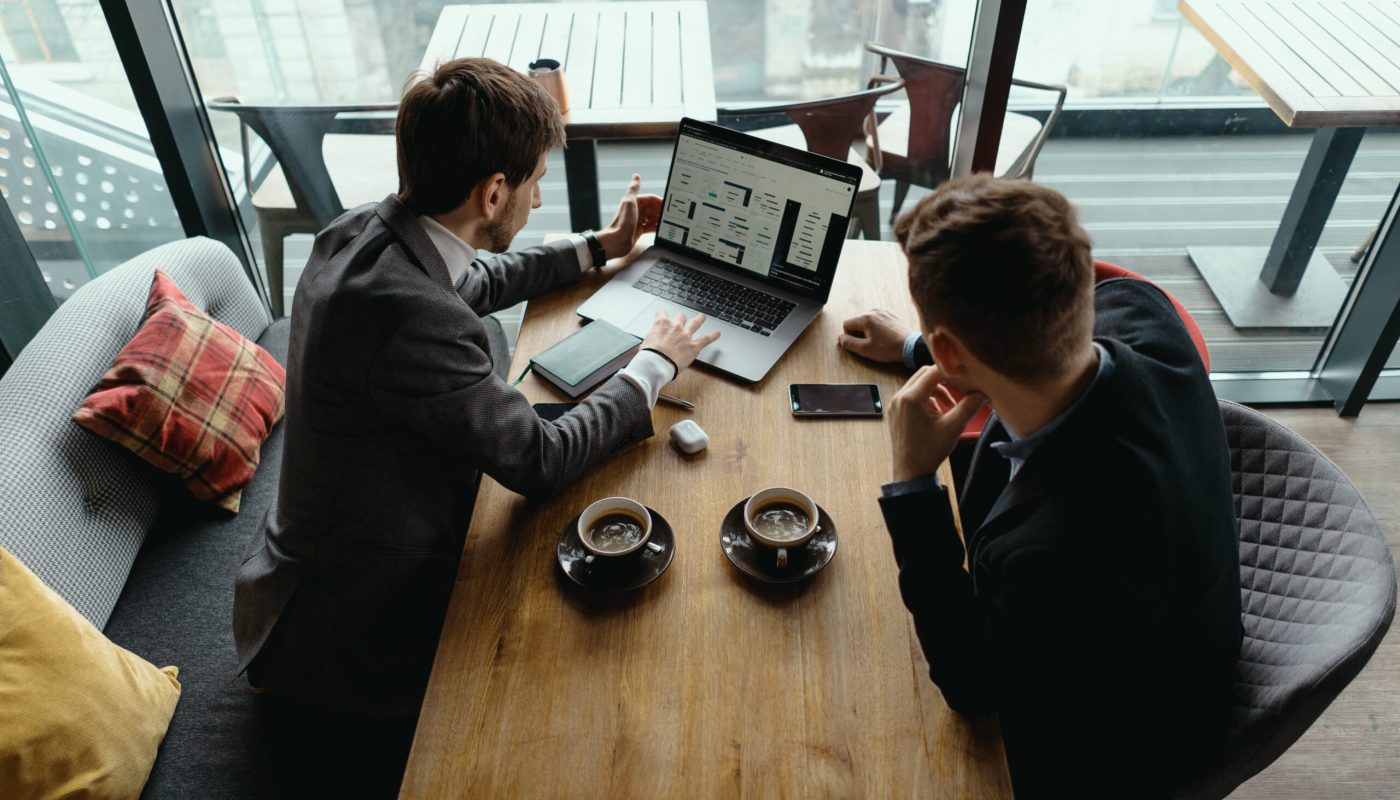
x=393, y=405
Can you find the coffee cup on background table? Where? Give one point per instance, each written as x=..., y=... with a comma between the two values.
x=613, y=527
x=781, y=519
x=550, y=74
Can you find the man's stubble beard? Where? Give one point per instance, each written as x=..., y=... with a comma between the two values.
x=501, y=232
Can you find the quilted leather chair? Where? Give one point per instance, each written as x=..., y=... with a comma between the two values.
x=1317, y=585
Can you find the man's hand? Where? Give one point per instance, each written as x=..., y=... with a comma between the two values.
x=676, y=338
x=877, y=335
x=925, y=423
x=636, y=214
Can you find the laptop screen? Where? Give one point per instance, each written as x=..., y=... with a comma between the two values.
x=774, y=212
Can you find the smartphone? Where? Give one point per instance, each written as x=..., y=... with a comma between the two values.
x=835, y=399
x=552, y=411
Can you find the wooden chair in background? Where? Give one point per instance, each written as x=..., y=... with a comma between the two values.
x=830, y=127
x=921, y=155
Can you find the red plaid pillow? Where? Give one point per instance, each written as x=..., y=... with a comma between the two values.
x=191, y=396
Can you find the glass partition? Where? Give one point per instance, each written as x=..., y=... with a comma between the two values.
x=76, y=165
x=355, y=53
x=1176, y=163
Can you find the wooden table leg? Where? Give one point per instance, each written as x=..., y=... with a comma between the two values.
x=581, y=175
x=1321, y=179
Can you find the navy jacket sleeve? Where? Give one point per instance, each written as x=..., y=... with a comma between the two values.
x=938, y=593
x=1044, y=616
x=922, y=356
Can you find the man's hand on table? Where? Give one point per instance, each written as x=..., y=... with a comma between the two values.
x=877, y=335
x=925, y=423
x=636, y=214
x=675, y=339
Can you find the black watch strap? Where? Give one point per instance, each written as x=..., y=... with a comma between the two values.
x=600, y=256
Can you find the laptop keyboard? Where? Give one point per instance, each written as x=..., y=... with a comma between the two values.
x=736, y=304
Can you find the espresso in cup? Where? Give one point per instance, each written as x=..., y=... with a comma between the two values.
x=613, y=526
x=780, y=518
x=781, y=521
x=617, y=532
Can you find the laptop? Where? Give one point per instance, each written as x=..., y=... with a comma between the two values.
x=750, y=233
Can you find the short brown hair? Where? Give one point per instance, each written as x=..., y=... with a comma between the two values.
x=471, y=118
x=1005, y=266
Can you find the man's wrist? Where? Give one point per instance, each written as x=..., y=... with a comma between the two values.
x=597, y=252
x=922, y=483
x=614, y=241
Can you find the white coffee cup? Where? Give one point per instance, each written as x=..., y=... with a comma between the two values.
x=772, y=496
x=624, y=506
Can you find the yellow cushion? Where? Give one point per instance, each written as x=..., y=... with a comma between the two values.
x=79, y=716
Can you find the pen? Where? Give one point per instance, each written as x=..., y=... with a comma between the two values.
x=666, y=398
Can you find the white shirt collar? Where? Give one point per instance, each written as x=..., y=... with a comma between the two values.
x=454, y=251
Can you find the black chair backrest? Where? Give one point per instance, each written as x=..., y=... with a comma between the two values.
x=295, y=135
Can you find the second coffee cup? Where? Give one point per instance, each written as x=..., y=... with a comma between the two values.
x=613, y=527
x=781, y=519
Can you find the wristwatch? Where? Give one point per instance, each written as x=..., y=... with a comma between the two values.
x=600, y=256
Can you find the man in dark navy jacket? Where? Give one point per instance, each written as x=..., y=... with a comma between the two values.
x=1099, y=611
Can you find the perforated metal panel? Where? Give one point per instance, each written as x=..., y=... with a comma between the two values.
x=73, y=507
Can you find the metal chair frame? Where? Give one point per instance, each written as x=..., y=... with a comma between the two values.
x=831, y=126
x=934, y=90
x=295, y=135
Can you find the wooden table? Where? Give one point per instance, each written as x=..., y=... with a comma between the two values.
x=1327, y=64
x=705, y=683
x=632, y=69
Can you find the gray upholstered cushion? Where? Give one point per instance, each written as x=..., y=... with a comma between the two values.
x=75, y=508
x=178, y=609
x=1317, y=585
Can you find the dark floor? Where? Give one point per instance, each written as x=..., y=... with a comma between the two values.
x=1144, y=201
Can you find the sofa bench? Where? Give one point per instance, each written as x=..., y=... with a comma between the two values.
x=127, y=545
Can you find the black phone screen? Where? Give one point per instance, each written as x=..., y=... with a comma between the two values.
x=845, y=399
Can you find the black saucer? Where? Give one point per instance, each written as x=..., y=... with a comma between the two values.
x=761, y=562
x=617, y=573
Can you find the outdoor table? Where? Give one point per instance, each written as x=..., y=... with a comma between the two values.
x=632, y=71
x=1333, y=65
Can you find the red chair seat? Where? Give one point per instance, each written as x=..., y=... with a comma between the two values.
x=1102, y=271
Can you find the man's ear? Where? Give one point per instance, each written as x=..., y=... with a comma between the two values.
x=948, y=351
x=490, y=195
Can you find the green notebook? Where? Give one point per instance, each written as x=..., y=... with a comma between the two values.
x=586, y=357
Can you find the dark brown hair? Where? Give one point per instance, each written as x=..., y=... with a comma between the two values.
x=1005, y=266
x=471, y=118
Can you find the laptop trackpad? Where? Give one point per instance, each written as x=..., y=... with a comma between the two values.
x=641, y=324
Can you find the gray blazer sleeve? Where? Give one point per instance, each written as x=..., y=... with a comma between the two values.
x=436, y=378
x=500, y=280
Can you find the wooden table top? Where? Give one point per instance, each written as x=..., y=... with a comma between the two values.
x=704, y=683
x=1318, y=63
x=632, y=69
